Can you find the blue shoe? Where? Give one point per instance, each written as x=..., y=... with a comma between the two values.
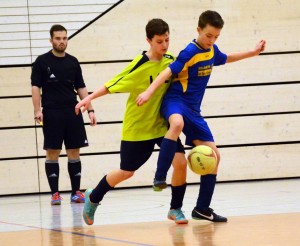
x=78, y=197
x=89, y=208
x=159, y=185
x=178, y=216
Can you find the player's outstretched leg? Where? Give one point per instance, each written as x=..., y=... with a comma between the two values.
x=89, y=208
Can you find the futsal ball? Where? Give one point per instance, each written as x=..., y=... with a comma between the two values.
x=202, y=160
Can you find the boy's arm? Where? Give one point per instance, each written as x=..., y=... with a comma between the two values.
x=87, y=100
x=260, y=47
x=160, y=79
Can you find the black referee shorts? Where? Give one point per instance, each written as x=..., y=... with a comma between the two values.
x=135, y=153
x=63, y=126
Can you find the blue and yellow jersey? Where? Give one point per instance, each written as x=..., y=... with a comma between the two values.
x=191, y=72
x=141, y=122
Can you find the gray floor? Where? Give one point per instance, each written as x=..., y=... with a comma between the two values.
x=18, y=213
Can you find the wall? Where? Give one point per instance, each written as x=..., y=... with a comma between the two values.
x=251, y=106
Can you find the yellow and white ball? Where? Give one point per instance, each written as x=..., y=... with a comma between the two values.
x=202, y=160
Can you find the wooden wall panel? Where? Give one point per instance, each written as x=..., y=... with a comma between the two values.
x=255, y=129
x=17, y=143
x=19, y=176
x=246, y=22
x=245, y=163
x=39, y=15
x=15, y=81
x=251, y=100
x=262, y=69
x=109, y=38
x=16, y=112
x=226, y=131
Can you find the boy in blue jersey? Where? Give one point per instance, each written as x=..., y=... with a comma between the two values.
x=181, y=105
x=142, y=127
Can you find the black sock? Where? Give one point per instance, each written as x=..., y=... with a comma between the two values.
x=177, y=196
x=207, y=187
x=52, y=172
x=74, y=169
x=101, y=189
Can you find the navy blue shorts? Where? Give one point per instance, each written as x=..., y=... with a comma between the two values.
x=63, y=126
x=195, y=127
x=135, y=153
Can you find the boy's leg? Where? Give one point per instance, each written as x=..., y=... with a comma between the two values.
x=207, y=186
x=133, y=156
x=95, y=196
x=167, y=151
x=178, y=186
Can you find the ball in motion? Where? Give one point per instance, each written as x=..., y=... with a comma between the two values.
x=202, y=160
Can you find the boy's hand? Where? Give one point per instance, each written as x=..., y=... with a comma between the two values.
x=84, y=103
x=143, y=98
x=260, y=47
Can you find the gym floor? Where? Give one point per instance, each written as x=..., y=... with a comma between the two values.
x=259, y=213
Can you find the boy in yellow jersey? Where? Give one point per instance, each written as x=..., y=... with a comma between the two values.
x=143, y=127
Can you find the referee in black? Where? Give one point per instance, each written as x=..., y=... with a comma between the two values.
x=58, y=76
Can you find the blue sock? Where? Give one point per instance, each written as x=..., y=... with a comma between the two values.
x=166, y=154
x=206, y=192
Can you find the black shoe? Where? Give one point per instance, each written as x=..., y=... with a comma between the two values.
x=159, y=185
x=208, y=214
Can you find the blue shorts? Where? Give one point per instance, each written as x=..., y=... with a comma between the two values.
x=135, y=153
x=195, y=127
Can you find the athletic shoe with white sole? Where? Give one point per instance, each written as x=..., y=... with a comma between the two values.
x=78, y=197
x=207, y=214
x=178, y=216
x=89, y=208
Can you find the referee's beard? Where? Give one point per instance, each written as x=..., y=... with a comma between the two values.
x=60, y=49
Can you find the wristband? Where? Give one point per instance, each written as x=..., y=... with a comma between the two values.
x=92, y=110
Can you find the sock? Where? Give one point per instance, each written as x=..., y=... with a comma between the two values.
x=166, y=154
x=177, y=196
x=74, y=169
x=101, y=189
x=52, y=172
x=207, y=187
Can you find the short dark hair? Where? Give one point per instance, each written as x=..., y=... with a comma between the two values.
x=156, y=27
x=56, y=28
x=212, y=18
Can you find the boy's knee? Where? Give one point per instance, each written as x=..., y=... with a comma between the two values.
x=127, y=174
x=180, y=165
x=177, y=125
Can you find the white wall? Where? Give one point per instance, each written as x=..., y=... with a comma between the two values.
x=251, y=106
x=25, y=24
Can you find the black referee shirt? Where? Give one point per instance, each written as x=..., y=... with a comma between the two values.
x=59, y=78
